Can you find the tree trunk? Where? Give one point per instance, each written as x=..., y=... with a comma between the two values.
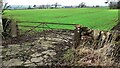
x=1, y=28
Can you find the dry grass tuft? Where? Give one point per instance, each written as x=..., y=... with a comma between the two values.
x=90, y=57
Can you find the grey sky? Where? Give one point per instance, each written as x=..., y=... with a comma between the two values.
x=62, y=2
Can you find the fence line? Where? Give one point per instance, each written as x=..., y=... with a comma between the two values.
x=43, y=25
x=46, y=23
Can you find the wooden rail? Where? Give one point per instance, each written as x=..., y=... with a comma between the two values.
x=46, y=23
x=40, y=27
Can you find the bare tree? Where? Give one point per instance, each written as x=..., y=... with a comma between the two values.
x=113, y=4
x=81, y=5
x=56, y=4
x=34, y=6
x=107, y=1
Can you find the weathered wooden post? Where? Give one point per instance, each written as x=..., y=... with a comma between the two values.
x=77, y=35
x=14, y=29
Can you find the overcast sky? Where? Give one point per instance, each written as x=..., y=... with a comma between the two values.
x=62, y=2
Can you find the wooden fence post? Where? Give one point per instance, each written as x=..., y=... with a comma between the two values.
x=77, y=36
x=14, y=29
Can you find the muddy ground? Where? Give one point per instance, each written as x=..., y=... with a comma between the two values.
x=54, y=47
x=37, y=48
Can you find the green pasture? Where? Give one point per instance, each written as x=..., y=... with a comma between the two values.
x=95, y=18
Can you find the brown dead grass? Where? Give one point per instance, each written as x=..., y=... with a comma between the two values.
x=89, y=57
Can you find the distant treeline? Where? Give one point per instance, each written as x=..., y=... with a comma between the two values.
x=13, y=7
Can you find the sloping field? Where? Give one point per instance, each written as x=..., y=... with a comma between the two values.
x=95, y=18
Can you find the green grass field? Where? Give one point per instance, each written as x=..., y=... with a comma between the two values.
x=95, y=18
